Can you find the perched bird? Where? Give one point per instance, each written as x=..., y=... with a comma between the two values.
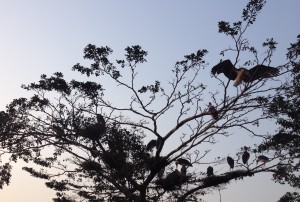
x=100, y=120
x=246, y=155
x=151, y=145
x=183, y=170
x=183, y=162
x=210, y=171
x=101, y=123
x=230, y=162
x=262, y=159
x=212, y=110
x=242, y=74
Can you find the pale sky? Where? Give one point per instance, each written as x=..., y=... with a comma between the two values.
x=39, y=36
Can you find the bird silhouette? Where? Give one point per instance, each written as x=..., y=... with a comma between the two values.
x=242, y=74
x=183, y=170
x=183, y=162
x=153, y=143
x=210, y=171
x=262, y=159
x=246, y=155
x=213, y=111
x=100, y=120
x=230, y=162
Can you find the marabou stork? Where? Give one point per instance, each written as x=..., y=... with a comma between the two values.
x=210, y=171
x=153, y=143
x=230, y=162
x=242, y=74
x=246, y=155
x=183, y=170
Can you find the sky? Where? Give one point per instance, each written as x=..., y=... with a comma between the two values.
x=42, y=37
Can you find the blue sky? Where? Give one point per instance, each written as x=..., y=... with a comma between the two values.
x=39, y=37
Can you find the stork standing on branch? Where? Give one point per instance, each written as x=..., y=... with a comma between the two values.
x=246, y=155
x=153, y=143
x=230, y=162
x=210, y=171
x=244, y=75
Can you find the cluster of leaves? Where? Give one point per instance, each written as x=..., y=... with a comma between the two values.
x=285, y=108
x=290, y=197
x=249, y=16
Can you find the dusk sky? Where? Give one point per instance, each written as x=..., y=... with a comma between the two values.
x=42, y=37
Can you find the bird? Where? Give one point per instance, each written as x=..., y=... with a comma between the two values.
x=262, y=159
x=183, y=170
x=100, y=120
x=101, y=123
x=212, y=110
x=242, y=74
x=210, y=171
x=230, y=162
x=151, y=145
x=183, y=162
x=246, y=155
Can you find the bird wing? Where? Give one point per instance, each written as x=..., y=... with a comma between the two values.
x=262, y=71
x=225, y=67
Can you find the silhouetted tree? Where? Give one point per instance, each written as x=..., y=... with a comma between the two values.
x=290, y=197
x=285, y=109
x=88, y=147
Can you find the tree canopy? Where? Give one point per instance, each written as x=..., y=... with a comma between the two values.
x=87, y=147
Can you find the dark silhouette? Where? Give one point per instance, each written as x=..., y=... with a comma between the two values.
x=246, y=155
x=151, y=145
x=183, y=170
x=262, y=159
x=242, y=74
x=210, y=171
x=230, y=162
x=104, y=157
x=183, y=162
x=213, y=111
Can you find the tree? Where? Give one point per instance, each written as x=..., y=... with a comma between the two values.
x=290, y=197
x=89, y=147
x=285, y=108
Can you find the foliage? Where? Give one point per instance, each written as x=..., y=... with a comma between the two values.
x=290, y=197
x=285, y=108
